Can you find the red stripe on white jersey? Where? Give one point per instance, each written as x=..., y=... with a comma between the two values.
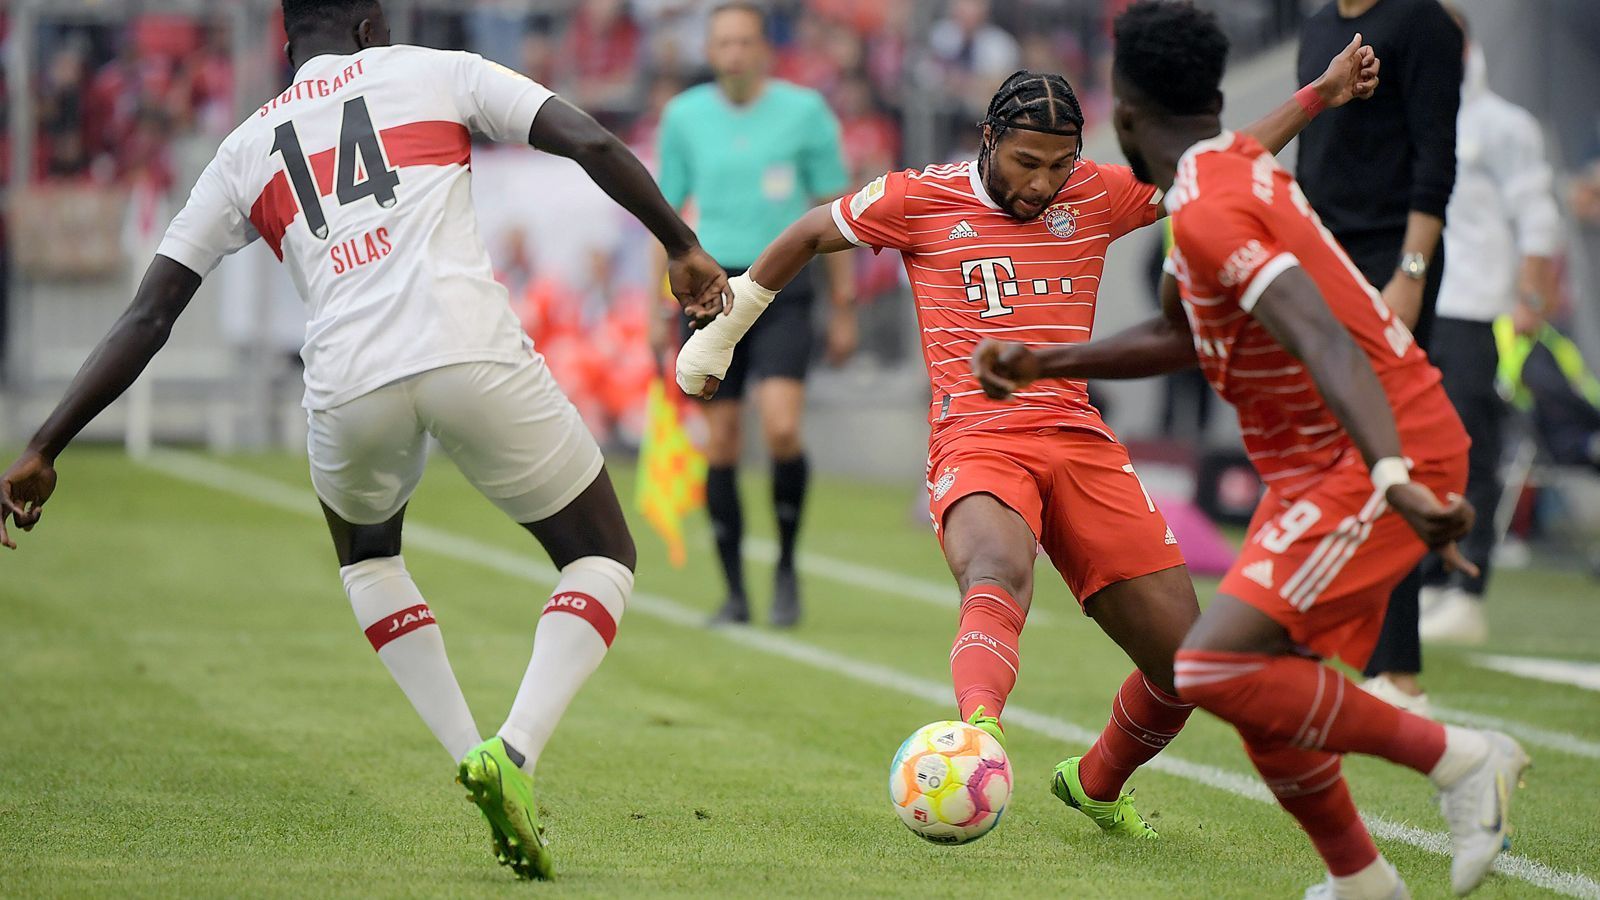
x=413, y=144
x=273, y=211
x=428, y=144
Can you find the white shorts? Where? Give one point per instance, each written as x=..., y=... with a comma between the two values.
x=506, y=426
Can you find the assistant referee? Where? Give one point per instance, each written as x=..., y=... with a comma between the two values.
x=749, y=154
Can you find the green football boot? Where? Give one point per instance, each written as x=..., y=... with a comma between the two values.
x=497, y=840
x=505, y=795
x=1113, y=816
x=989, y=724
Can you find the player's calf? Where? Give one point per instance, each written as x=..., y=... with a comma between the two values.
x=575, y=630
x=1144, y=720
x=402, y=629
x=986, y=655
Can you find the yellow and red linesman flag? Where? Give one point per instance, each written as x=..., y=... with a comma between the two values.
x=672, y=472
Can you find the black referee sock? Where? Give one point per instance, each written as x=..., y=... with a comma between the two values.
x=789, y=479
x=727, y=524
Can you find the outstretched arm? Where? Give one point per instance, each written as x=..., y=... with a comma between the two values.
x=1157, y=346
x=1293, y=311
x=113, y=366
x=1352, y=75
x=699, y=284
x=811, y=235
x=705, y=357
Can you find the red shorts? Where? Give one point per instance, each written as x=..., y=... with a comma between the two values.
x=1077, y=492
x=1323, y=565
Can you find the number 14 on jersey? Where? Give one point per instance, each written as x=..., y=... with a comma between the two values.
x=360, y=168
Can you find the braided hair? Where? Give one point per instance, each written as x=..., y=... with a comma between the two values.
x=1031, y=101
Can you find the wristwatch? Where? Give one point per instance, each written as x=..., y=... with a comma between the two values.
x=1414, y=266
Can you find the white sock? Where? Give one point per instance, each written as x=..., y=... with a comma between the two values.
x=1464, y=748
x=1376, y=882
x=575, y=630
x=389, y=608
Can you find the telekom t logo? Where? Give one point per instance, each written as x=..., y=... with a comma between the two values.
x=989, y=288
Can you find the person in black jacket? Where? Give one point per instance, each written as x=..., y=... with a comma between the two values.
x=1380, y=174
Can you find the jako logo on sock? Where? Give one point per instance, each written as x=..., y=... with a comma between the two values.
x=399, y=625
x=577, y=602
x=586, y=608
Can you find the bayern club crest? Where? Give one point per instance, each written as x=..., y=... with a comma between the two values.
x=1062, y=220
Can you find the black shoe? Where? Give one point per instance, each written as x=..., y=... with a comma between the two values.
x=734, y=611
x=785, y=599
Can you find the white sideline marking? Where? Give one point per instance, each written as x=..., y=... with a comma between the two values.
x=201, y=471
x=1557, y=671
x=1528, y=734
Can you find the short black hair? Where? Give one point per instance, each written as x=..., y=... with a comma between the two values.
x=302, y=16
x=1044, y=100
x=1174, y=52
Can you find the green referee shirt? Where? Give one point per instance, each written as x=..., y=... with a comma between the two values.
x=749, y=170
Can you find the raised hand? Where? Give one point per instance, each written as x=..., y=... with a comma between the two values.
x=1352, y=75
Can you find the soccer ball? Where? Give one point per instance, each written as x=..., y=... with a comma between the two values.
x=949, y=782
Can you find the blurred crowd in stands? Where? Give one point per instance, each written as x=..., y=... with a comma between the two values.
x=139, y=102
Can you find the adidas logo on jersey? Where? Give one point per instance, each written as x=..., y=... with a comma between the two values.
x=1260, y=572
x=962, y=230
x=1171, y=538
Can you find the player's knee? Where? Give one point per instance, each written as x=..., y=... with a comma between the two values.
x=784, y=442
x=722, y=448
x=370, y=542
x=1200, y=639
x=1161, y=678
x=606, y=539
x=1016, y=583
x=624, y=551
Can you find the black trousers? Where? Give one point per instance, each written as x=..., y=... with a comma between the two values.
x=1466, y=354
x=1377, y=255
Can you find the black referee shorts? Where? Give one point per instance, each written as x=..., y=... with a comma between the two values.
x=778, y=345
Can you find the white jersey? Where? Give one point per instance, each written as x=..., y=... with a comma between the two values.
x=358, y=178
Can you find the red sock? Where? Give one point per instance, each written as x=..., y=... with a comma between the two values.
x=1309, y=784
x=1297, y=701
x=984, y=660
x=1144, y=719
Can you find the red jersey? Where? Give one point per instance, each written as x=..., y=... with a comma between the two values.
x=976, y=272
x=1238, y=222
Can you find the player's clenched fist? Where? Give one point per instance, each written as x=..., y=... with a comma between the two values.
x=1004, y=368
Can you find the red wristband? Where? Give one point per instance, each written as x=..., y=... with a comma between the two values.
x=1310, y=101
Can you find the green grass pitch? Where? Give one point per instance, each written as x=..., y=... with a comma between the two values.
x=188, y=709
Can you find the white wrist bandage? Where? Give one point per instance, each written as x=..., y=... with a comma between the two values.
x=1388, y=472
x=709, y=351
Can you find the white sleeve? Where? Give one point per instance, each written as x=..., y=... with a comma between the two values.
x=1527, y=184
x=495, y=101
x=210, y=226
